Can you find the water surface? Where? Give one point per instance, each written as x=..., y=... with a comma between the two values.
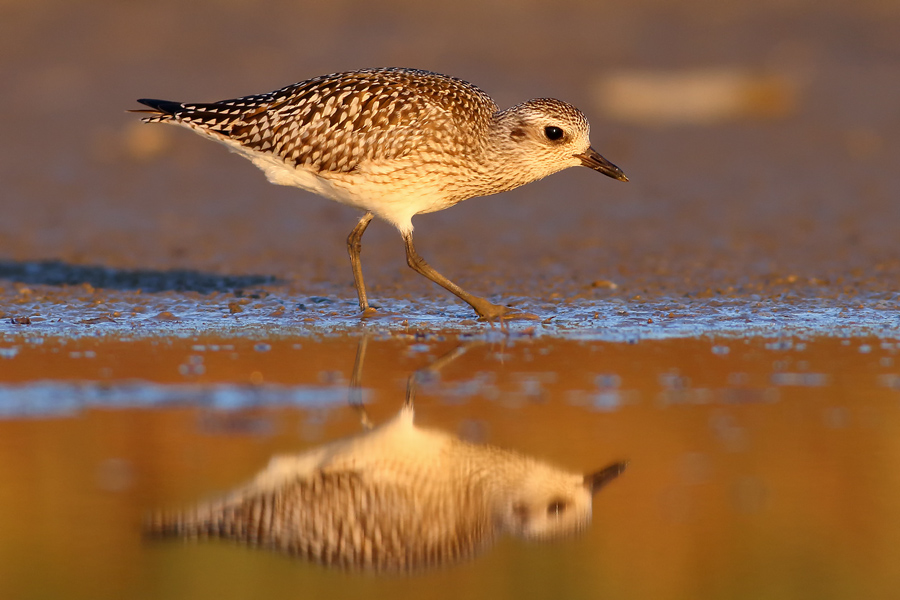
x=759, y=466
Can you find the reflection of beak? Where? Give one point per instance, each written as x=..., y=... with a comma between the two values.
x=598, y=480
x=593, y=160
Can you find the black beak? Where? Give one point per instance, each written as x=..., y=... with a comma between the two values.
x=598, y=480
x=592, y=160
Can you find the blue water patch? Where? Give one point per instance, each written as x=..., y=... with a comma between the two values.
x=59, y=399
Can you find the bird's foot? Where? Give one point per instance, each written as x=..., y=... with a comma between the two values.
x=497, y=312
x=368, y=311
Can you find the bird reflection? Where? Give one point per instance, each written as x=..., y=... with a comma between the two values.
x=395, y=498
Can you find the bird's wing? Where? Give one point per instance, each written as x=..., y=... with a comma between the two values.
x=335, y=123
x=335, y=519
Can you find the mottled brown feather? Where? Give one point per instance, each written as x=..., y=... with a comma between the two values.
x=335, y=122
x=380, y=527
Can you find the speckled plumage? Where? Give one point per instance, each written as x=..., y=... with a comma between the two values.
x=395, y=498
x=395, y=143
x=333, y=123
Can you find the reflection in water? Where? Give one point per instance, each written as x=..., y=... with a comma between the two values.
x=395, y=498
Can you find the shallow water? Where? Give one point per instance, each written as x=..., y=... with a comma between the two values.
x=759, y=466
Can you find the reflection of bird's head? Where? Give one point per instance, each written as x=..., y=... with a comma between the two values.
x=546, y=503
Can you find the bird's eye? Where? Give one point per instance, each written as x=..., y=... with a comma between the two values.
x=556, y=508
x=553, y=133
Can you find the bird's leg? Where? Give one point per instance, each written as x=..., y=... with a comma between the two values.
x=354, y=247
x=356, y=383
x=412, y=384
x=484, y=308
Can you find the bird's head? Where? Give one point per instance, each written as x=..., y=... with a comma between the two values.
x=545, y=135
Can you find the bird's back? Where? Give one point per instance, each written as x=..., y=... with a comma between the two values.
x=336, y=519
x=335, y=123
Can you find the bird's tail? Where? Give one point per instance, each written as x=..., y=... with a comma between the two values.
x=249, y=519
x=211, y=520
x=161, y=111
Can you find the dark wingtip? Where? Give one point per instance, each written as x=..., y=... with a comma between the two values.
x=155, y=526
x=166, y=107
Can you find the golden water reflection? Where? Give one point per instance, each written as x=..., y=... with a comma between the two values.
x=759, y=468
x=395, y=497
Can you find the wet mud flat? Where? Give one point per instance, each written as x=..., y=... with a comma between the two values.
x=185, y=303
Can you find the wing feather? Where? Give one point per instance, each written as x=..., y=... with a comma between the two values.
x=338, y=122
